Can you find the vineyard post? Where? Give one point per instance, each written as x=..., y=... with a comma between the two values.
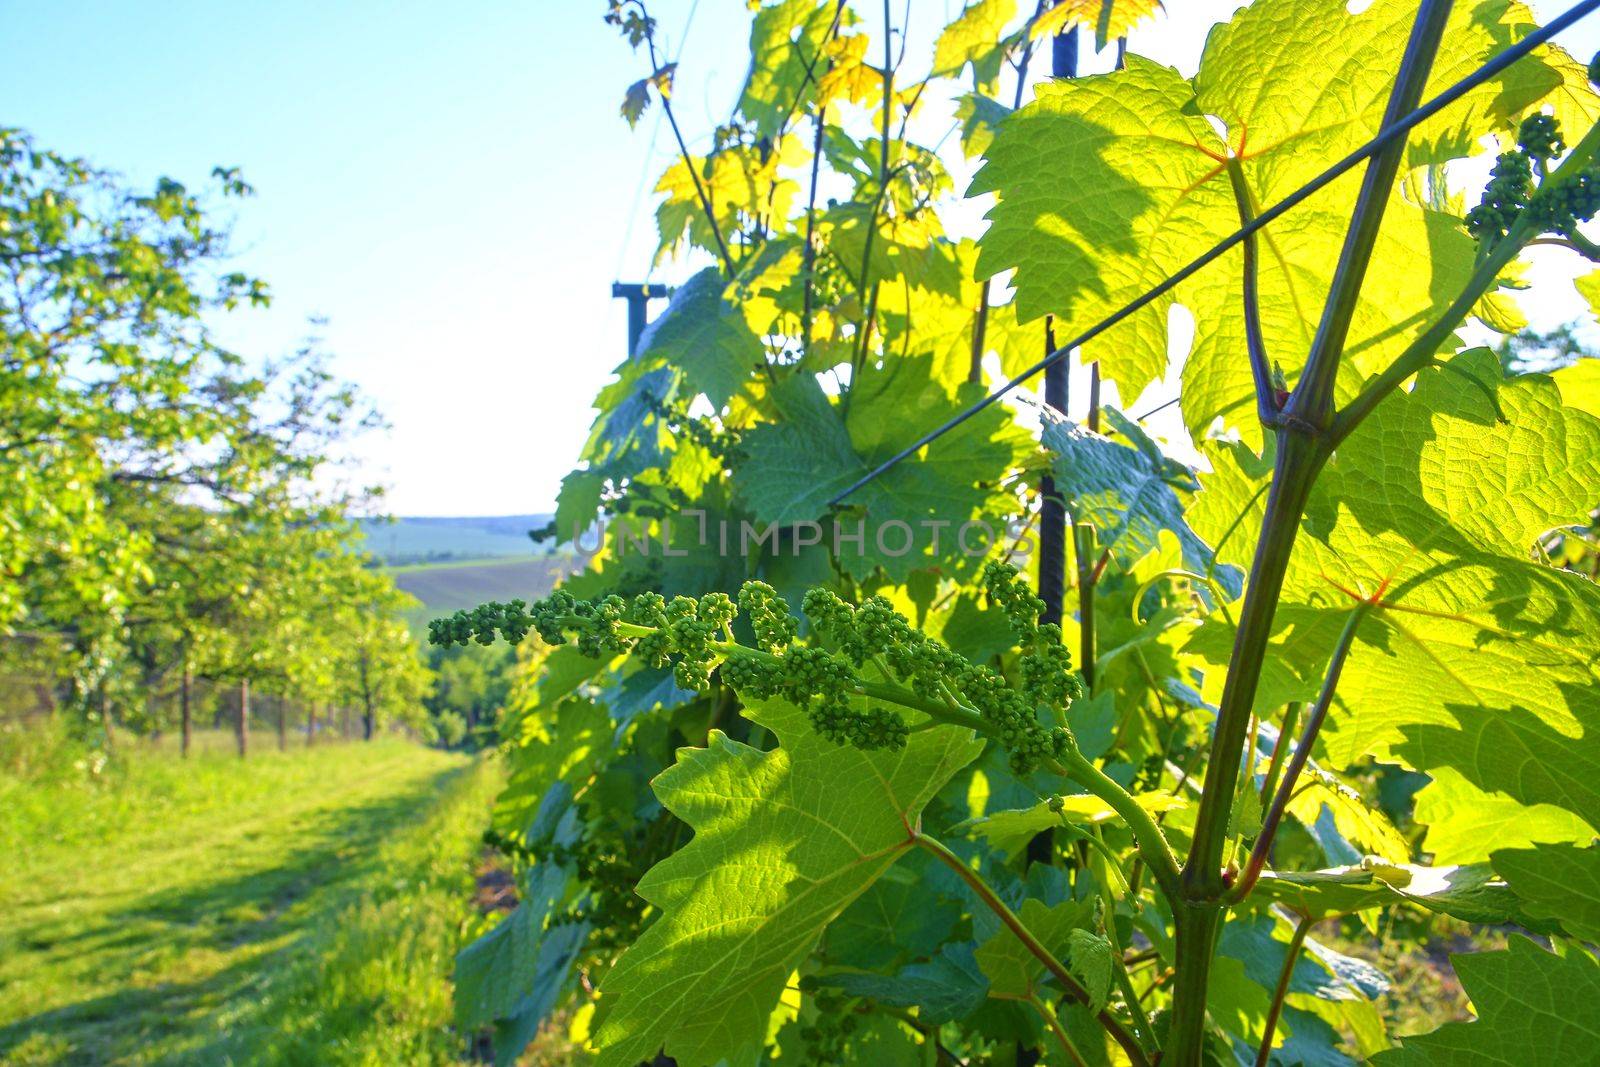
x=1302, y=430
x=242, y=726
x=283, y=723
x=1052, y=509
x=185, y=719
x=638, y=295
x=105, y=717
x=311, y=723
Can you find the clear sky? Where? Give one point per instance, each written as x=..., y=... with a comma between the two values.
x=449, y=186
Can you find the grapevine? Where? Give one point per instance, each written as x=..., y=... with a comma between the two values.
x=695, y=638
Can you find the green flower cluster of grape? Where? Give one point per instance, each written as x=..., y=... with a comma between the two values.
x=828, y=677
x=714, y=439
x=1517, y=188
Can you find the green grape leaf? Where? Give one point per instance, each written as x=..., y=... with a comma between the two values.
x=784, y=841
x=793, y=466
x=1580, y=384
x=1465, y=824
x=942, y=322
x=1534, y=1009
x=512, y=975
x=947, y=987
x=1129, y=494
x=1089, y=958
x=1476, y=658
x=1010, y=830
x=894, y=919
x=1558, y=882
x=705, y=338
x=1102, y=194
x=980, y=116
x=1012, y=970
x=578, y=504
x=566, y=745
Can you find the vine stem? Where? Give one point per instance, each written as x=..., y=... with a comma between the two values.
x=1141, y=1021
x=1312, y=400
x=1042, y=1006
x=1291, y=719
x=1303, y=449
x=1302, y=753
x=1114, y=1026
x=1264, y=1053
x=683, y=150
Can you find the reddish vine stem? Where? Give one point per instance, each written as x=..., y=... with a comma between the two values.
x=1291, y=957
x=1312, y=400
x=1114, y=1026
x=1255, y=344
x=1297, y=762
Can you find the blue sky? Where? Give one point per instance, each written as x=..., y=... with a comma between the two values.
x=449, y=186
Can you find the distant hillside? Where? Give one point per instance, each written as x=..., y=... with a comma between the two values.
x=447, y=587
x=435, y=540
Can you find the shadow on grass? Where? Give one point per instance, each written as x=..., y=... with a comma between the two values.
x=270, y=918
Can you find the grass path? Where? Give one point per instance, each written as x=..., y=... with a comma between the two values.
x=304, y=911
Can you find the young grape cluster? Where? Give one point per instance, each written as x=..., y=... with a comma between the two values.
x=714, y=439
x=1517, y=188
x=857, y=647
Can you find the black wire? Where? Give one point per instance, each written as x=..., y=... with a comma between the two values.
x=1423, y=112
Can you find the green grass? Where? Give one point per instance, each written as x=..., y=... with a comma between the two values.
x=301, y=908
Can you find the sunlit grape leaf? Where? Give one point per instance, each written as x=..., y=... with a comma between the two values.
x=741, y=181
x=1011, y=829
x=783, y=841
x=1109, y=19
x=1465, y=823
x=1103, y=192
x=1108, y=184
x=980, y=117
x=946, y=321
x=786, y=42
x=977, y=36
x=1580, y=385
x=1534, y=1008
x=1558, y=882
x=1469, y=893
x=1477, y=658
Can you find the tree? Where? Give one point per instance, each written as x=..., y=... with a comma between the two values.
x=179, y=512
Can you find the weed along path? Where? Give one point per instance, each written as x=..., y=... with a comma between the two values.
x=308, y=913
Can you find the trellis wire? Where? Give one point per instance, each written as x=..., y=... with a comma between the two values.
x=1421, y=114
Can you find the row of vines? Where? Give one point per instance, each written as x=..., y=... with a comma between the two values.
x=798, y=771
